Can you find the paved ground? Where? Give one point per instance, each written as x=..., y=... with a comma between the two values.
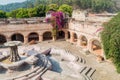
x=104, y=70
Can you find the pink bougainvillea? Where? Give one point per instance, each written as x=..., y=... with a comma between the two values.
x=56, y=18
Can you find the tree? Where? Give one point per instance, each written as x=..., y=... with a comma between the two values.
x=22, y=13
x=66, y=9
x=13, y=13
x=111, y=40
x=32, y=12
x=40, y=10
x=102, y=5
x=52, y=7
x=2, y=14
x=84, y=4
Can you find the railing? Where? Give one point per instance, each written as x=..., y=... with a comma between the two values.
x=22, y=20
x=34, y=20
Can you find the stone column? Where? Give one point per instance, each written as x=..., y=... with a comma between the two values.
x=66, y=35
x=14, y=56
x=8, y=39
x=89, y=45
x=71, y=37
x=40, y=38
x=26, y=39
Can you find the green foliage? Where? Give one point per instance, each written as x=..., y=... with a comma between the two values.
x=102, y=5
x=111, y=40
x=37, y=2
x=66, y=9
x=22, y=13
x=52, y=6
x=2, y=14
x=40, y=10
x=13, y=13
x=85, y=4
x=32, y=12
x=93, y=5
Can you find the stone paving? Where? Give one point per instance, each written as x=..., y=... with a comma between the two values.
x=104, y=70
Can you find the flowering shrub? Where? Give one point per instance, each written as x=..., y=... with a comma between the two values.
x=56, y=19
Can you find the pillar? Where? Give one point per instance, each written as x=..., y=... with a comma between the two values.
x=72, y=37
x=40, y=38
x=89, y=45
x=26, y=39
x=66, y=35
x=8, y=39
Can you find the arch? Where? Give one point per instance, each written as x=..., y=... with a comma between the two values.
x=96, y=47
x=68, y=35
x=33, y=36
x=17, y=37
x=47, y=35
x=75, y=37
x=2, y=39
x=83, y=41
x=61, y=35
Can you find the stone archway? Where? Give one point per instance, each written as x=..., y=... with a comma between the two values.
x=33, y=36
x=17, y=37
x=96, y=47
x=83, y=41
x=47, y=36
x=75, y=37
x=61, y=35
x=2, y=39
x=68, y=35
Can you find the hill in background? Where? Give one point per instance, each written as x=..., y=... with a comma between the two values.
x=14, y=6
x=32, y=3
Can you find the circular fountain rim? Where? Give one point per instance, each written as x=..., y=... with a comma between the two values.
x=13, y=43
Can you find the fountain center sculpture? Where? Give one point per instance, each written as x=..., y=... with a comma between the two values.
x=14, y=56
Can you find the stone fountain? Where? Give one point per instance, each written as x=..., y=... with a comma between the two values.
x=18, y=66
x=14, y=56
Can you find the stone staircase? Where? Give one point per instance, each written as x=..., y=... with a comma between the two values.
x=78, y=59
x=87, y=72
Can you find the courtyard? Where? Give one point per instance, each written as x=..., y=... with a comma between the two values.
x=104, y=70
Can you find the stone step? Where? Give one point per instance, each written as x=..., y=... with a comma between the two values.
x=34, y=72
x=82, y=60
x=77, y=59
x=22, y=78
x=43, y=71
x=25, y=75
x=86, y=70
x=82, y=69
x=86, y=77
x=32, y=75
x=91, y=72
x=39, y=72
x=38, y=76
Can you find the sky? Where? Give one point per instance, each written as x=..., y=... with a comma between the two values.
x=3, y=2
